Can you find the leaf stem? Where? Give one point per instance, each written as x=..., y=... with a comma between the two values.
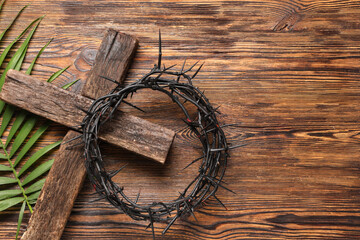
x=16, y=176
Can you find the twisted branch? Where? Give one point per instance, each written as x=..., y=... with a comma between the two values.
x=177, y=85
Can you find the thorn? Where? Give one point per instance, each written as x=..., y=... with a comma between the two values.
x=154, y=79
x=74, y=145
x=224, y=149
x=86, y=111
x=111, y=80
x=160, y=53
x=147, y=226
x=151, y=223
x=137, y=197
x=100, y=191
x=97, y=199
x=169, y=67
x=188, y=206
x=167, y=209
x=217, y=199
x=170, y=224
x=216, y=109
x=182, y=68
x=221, y=181
x=191, y=212
x=218, y=184
x=236, y=146
x=72, y=139
x=132, y=105
x=230, y=124
x=191, y=67
x=93, y=193
x=77, y=126
x=112, y=174
x=197, y=71
x=181, y=72
x=193, y=162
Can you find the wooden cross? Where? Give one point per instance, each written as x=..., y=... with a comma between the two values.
x=65, y=178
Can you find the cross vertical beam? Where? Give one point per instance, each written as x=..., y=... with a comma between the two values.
x=65, y=178
x=58, y=194
x=112, y=61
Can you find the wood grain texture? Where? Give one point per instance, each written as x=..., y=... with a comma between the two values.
x=291, y=83
x=112, y=61
x=66, y=108
x=62, y=186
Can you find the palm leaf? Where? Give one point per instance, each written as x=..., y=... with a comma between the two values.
x=7, y=49
x=17, y=123
x=21, y=215
x=1, y=4
x=28, y=71
x=34, y=196
x=2, y=156
x=37, y=155
x=35, y=186
x=13, y=21
x=17, y=56
x=9, y=111
x=66, y=86
x=21, y=59
x=31, y=142
x=5, y=204
x=57, y=74
x=24, y=132
x=4, y=194
x=2, y=105
x=5, y=168
x=40, y=170
x=7, y=180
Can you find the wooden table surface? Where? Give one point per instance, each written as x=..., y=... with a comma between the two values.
x=286, y=71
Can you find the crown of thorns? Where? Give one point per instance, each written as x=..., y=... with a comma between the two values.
x=178, y=86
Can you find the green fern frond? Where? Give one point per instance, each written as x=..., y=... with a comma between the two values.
x=22, y=114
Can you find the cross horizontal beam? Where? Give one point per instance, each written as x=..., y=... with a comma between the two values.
x=67, y=108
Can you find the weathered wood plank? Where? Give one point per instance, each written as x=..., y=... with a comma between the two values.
x=44, y=99
x=112, y=61
x=59, y=192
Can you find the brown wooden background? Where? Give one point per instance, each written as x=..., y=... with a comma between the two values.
x=287, y=71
